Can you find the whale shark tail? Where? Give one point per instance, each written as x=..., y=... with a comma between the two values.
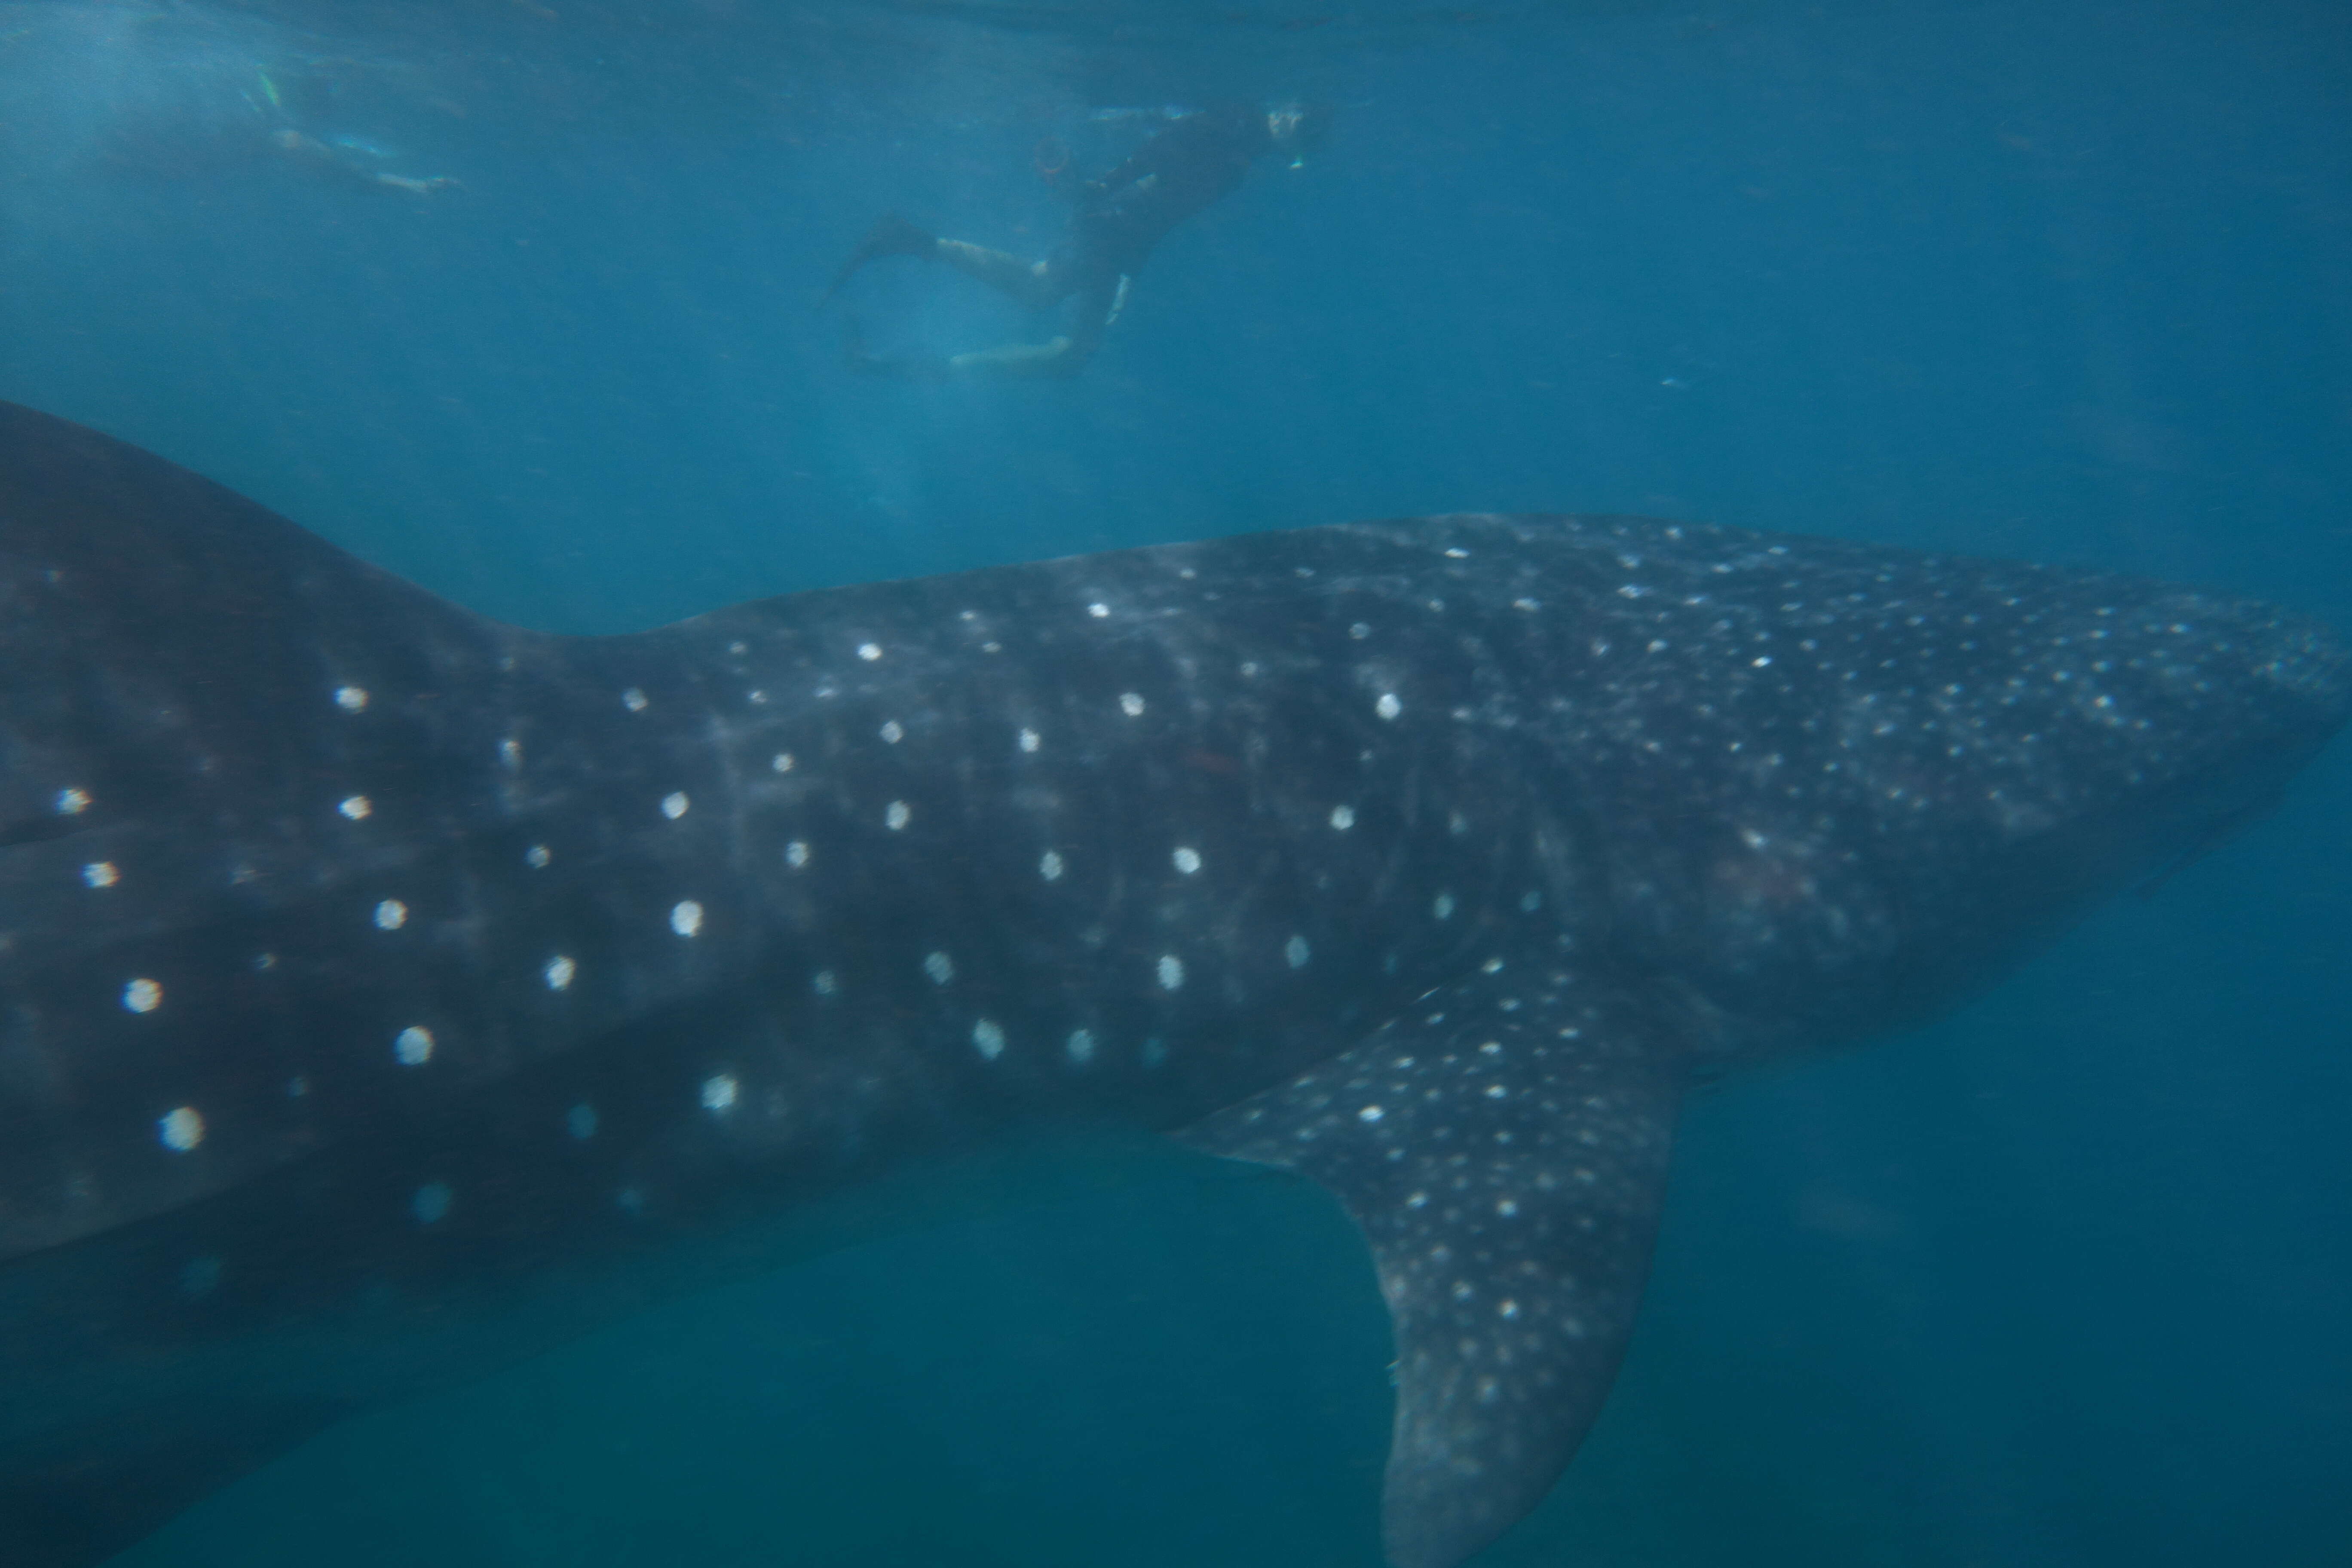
x=191, y=680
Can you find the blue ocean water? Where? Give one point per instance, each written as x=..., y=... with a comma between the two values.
x=2062, y=1279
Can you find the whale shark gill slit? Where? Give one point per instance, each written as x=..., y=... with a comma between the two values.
x=387, y=993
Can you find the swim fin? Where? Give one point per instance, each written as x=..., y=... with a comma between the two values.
x=890, y=236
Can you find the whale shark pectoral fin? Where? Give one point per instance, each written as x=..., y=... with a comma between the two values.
x=1504, y=1149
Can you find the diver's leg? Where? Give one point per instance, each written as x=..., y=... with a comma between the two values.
x=908, y=367
x=1098, y=306
x=1036, y=284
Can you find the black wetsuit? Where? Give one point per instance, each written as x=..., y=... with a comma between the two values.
x=1180, y=170
x=1120, y=218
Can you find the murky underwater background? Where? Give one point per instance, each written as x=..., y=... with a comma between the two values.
x=2062, y=1280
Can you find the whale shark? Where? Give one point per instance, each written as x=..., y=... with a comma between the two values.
x=386, y=993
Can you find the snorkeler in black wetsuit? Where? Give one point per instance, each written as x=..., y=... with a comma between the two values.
x=1120, y=218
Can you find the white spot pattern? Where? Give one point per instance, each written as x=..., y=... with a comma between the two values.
x=181, y=1130
x=988, y=1038
x=356, y=806
x=685, y=918
x=896, y=817
x=1388, y=707
x=100, y=874
x=142, y=996
x=1049, y=865
x=635, y=701
x=719, y=1091
x=675, y=805
x=1343, y=817
x=1171, y=971
x=72, y=802
x=413, y=1045
x=351, y=699
x=1131, y=704
x=1188, y=859
x=391, y=914
x=940, y=967
x=559, y=973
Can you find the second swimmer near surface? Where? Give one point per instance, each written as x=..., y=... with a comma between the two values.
x=1118, y=219
x=353, y=163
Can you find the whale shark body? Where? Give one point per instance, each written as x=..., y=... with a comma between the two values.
x=372, y=972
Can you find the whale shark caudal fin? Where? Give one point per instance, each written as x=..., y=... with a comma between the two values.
x=166, y=643
x=1503, y=1146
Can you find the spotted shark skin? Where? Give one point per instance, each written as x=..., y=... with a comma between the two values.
x=367, y=967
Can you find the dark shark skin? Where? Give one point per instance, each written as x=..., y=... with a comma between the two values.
x=375, y=979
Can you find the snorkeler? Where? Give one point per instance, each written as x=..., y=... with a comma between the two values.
x=282, y=99
x=280, y=112
x=1120, y=218
x=351, y=159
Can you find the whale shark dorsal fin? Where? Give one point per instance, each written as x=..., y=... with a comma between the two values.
x=1503, y=1146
